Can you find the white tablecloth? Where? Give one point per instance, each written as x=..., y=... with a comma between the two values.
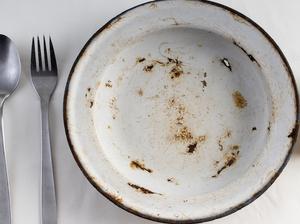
x=70, y=24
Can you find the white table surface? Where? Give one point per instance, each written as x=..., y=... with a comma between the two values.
x=70, y=24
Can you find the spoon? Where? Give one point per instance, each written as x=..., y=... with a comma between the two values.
x=10, y=70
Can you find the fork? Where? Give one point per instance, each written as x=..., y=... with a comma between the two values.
x=44, y=79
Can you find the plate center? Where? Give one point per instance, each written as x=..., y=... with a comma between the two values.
x=182, y=109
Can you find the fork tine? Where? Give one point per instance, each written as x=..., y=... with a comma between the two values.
x=39, y=55
x=33, y=59
x=45, y=55
x=52, y=57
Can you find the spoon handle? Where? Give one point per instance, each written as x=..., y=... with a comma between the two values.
x=48, y=187
x=5, y=215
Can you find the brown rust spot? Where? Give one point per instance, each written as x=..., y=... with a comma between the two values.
x=113, y=107
x=172, y=102
x=163, y=64
x=114, y=22
x=221, y=147
x=117, y=198
x=238, y=18
x=235, y=147
x=140, y=60
x=108, y=84
x=204, y=84
x=91, y=104
x=293, y=134
x=168, y=50
x=141, y=189
x=175, y=61
x=139, y=165
x=183, y=134
x=89, y=97
x=176, y=72
x=239, y=100
x=140, y=92
x=230, y=158
x=226, y=62
x=192, y=147
x=175, y=64
x=153, y=5
x=223, y=138
x=148, y=68
x=172, y=180
x=201, y=138
x=180, y=109
x=250, y=56
x=205, y=74
x=269, y=127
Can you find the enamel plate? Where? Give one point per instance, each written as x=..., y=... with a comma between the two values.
x=181, y=111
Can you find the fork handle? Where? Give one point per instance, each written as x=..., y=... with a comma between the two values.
x=48, y=210
x=5, y=216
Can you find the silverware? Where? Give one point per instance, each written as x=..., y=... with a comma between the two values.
x=44, y=78
x=10, y=71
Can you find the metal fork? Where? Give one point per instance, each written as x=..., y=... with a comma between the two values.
x=44, y=78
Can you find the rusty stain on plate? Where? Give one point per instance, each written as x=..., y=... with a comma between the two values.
x=172, y=180
x=230, y=158
x=176, y=66
x=153, y=5
x=113, y=23
x=140, y=60
x=239, y=100
x=141, y=189
x=89, y=97
x=204, y=84
x=108, y=84
x=139, y=165
x=140, y=92
x=113, y=106
x=222, y=139
x=148, y=68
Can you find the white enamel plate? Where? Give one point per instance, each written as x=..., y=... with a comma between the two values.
x=181, y=111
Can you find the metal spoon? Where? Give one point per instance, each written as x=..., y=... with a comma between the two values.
x=10, y=70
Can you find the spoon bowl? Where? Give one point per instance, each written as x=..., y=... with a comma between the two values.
x=10, y=66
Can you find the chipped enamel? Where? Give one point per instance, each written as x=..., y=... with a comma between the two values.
x=180, y=110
